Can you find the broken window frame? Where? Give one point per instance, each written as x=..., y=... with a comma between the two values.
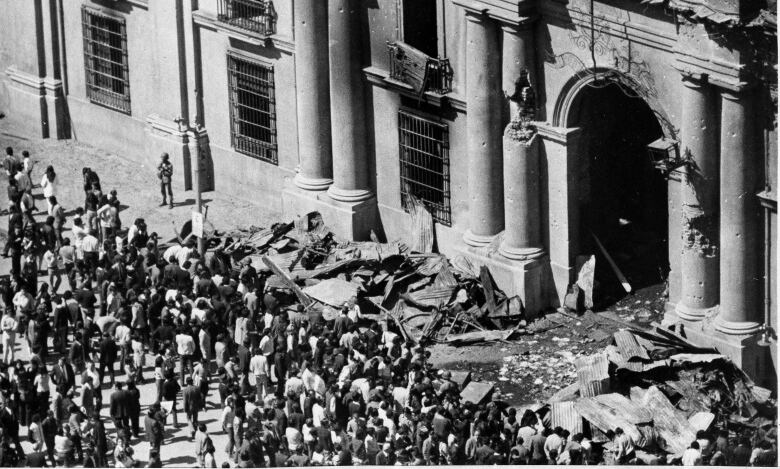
x=424, y=163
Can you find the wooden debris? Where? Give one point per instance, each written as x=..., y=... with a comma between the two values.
x=487, y=287
x=670, y=423
x=613, y=265
x=585, y=278
x=629, y=347
x=475, y=337
x=302, y=297
x=701, y=420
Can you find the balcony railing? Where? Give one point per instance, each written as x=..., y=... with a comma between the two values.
x=415, y=68
x=257, y=16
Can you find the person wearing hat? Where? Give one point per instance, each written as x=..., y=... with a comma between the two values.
x=164, y=174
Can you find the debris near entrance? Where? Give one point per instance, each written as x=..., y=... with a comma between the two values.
x=423, y=296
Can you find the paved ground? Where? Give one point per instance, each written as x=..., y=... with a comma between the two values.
x=138, y=191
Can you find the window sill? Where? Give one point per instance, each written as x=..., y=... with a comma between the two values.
x=377, y=76
x=206, y=20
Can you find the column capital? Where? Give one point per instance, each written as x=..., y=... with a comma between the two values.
x=523, y=25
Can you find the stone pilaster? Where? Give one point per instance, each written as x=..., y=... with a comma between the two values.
x=483, y=128
x=740, y=279
x=700, y=249
x=312, y=94
x=348, y=117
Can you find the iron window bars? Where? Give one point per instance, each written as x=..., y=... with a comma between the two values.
x=425, y=164
x=258, y=16
x=105, y=60
x=437, y=75
x=252, y=108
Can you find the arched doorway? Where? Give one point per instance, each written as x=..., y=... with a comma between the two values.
x=622, y=197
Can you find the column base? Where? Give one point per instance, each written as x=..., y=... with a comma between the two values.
x=349, y=195
x=312, y=184
x=531, y=280
x=477, y=241
x=737, y=327
x=520, y=254
x=693, y=314
x=347, y=220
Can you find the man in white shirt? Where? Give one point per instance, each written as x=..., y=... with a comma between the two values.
x=258, y=366
x=90, y=247
x=185, y=348
x=692, y=455
x=8, y=325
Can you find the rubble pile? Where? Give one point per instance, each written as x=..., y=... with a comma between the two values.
x=654, y=384
x=427, y=297
x=661, y=390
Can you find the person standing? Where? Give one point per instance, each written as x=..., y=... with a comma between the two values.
x=193, y=403
x=164, y=174
x=170, y=392
x=9, y=326
x=49, y=184
x=119, y=406
x=133, y=406
x=154, y=428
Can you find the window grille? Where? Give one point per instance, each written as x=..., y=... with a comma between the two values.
x=425, y=164
x=258, y=16
x=105, y=60
x=252, y=108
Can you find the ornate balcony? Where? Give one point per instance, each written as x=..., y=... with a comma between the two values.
x=420, y=71
x=257, y=16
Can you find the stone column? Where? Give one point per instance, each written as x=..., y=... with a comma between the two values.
x=522, y=237
x=347, y=113
x=740, y=278
x=517, y=55
x=313, y=98
x=483, y=130
x=699, y=260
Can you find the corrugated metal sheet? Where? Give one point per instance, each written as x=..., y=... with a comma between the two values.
x=625, y=409
x=614, y=355
x=629, y=347
x=564, y=415
x=606, y=418
x=593, y=374
x=669, y=422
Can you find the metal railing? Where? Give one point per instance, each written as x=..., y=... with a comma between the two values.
x=437, y=71
x=105, y=60
x=258, y=16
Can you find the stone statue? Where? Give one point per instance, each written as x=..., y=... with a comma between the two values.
x=525, y=98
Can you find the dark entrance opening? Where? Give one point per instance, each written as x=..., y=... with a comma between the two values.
x=624, y=200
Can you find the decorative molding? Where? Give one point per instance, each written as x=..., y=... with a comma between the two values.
x=379, y=77
x=26, y=79
x=768, y=199
x=139, y=3
x=561, y=135
x=209, y=21
x=509, y=12
x=165, y=127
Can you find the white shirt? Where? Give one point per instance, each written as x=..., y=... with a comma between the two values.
x=90, y=244
x=49, y=187
x=691, y=457
x=258, y=365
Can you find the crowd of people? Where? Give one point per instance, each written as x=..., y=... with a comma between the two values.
x=291, y=388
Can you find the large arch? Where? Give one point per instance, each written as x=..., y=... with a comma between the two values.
x=618, y=195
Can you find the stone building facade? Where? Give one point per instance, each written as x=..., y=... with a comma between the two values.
x=649, y=127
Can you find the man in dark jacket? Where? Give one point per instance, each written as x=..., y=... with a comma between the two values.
x=108, y=353
x=171, y=390
x=193, y=403
x=119, y=406
x=62, y=374
x=133, y=406
x=154, y=427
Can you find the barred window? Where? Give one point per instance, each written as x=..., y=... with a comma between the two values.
x=105, y=60
x=425, y=163
x=252, y=108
